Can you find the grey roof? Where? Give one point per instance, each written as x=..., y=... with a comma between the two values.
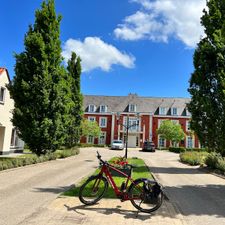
x=143, y=104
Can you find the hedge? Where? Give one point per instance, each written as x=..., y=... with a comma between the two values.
x=28, y=159
x=182, y=149
x=193, y=158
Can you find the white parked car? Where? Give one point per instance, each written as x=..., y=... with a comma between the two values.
x=117, y=144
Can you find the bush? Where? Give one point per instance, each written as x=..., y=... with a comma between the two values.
x=177, y=149
x=212, y=160
x=7, y=163
x=216, y=161
x=196, y=149
x=193, y=158
x=221, y=165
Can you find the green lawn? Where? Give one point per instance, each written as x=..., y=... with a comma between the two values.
x=141, y=171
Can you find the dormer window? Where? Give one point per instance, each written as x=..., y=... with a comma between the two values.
x=91, y=108
x=132, y=108
x=103, y=108
x=188, y=113
x=162, y=111
x=2, y=94
x=174, y=111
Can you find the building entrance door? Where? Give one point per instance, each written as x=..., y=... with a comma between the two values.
x=131, y=141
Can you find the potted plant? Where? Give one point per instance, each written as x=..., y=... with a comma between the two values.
x=120, y=164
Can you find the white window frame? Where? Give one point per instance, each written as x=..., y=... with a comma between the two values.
x=188, y=113
x=192, y=142
x=91, y=108
x=188, y=128
x=132, y=120
x=132, y=108
x=100, y=122
x=174, y=111
x=103, y=108
x=162, y=111
x=2, y=94
x=103, y=134
x=92, y=118
x=159, y=142
x=90, y=139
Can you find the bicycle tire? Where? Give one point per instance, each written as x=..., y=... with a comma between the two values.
x=138, y=196
x=89, y=193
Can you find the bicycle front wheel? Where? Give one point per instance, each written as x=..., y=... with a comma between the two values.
x=93, y=190
x=145, y=199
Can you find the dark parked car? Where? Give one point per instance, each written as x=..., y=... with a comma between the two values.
x=148, y=146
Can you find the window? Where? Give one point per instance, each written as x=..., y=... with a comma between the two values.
x=162, y=110
x=91, y=108
x=90, y=139
x=132, y=108
x=14, y=138
x=103, y=108
x=162, y=141
x=103, y=122
x=188, y=113
x=2, y=94
x=91, y=118
x=174, y=111
x=133, y=123
x=188, y=125
x=102, y=138
x=189, y=142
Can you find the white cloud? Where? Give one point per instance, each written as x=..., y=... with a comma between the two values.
x=159, y=20
x=95, y=53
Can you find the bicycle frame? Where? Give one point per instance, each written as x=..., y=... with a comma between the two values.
x=117, y=191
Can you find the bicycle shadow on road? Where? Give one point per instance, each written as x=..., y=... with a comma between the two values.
x=128, y=214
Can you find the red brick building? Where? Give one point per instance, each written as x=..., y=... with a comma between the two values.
x=112, y=113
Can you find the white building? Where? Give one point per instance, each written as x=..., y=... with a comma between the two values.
x=9, y=141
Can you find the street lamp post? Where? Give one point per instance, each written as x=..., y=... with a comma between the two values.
x=127, y=126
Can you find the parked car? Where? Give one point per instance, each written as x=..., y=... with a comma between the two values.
x=117, y=144
x=148, y=146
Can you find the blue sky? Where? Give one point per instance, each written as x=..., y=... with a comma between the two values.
x=127, y=46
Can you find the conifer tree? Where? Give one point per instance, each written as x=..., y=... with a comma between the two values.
x=207, y=83
x=76, y=112
x=39, y=88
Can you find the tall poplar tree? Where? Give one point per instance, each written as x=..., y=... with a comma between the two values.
x=207, y=83
x=76, y=112
x=39, y=88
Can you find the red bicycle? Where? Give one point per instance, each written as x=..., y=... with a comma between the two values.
x=145, y=195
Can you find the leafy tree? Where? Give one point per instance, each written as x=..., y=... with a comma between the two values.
x=171, y=131
x=90, y=128
x=39, y=88
x=76, y=112
x=207, y=83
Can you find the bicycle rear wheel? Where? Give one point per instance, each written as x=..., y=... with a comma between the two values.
x=93, y=190
x=145, y=198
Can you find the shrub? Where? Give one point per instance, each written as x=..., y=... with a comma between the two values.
x=221, y=165
x=177, y=149
x=193, y=158
x=196, y=149
x=212, y=160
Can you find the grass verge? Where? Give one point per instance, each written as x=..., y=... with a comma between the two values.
x=141, y=171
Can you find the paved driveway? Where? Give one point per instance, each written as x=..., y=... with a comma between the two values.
x=198, y=195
